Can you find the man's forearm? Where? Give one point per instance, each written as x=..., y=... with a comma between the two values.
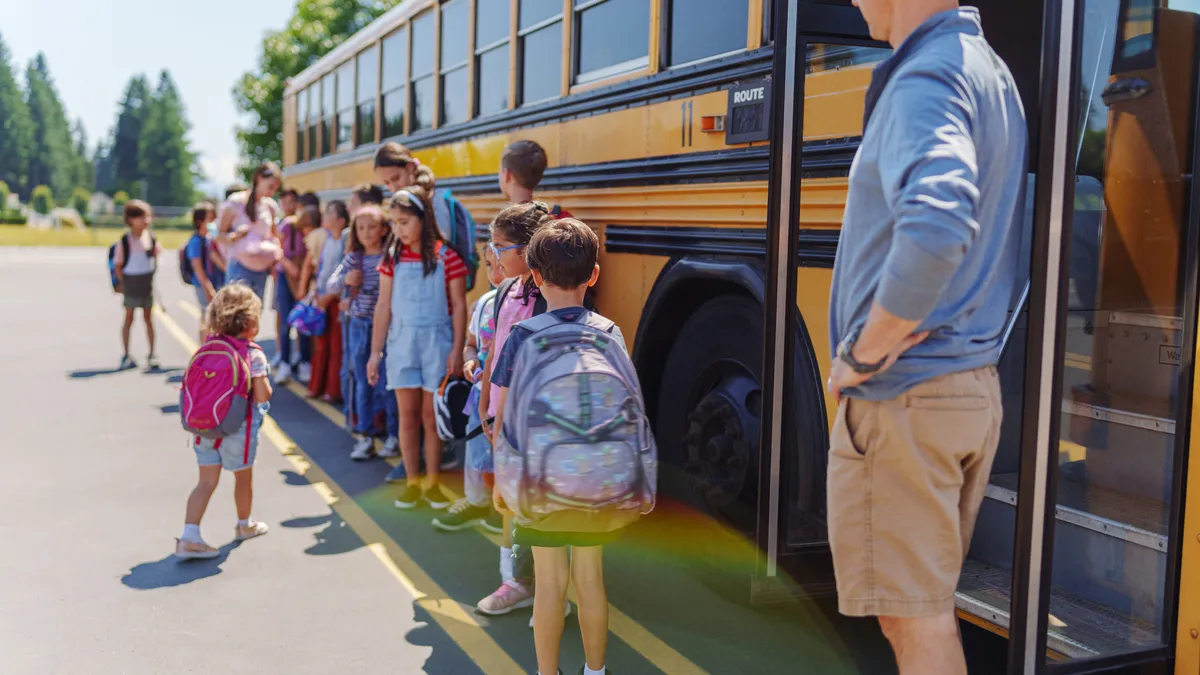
x=882, y=333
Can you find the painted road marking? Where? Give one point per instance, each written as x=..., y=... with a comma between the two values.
x=462, y=627
x=641, y=640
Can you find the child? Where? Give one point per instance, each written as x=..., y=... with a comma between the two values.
x=196, y=252
x=288, y=291
x=515, y=301
x=362, y=279
x=233, y=313
x=522, y=165
x=135, y=262
x=327, y=348
x=562, y=259
x=476, y=507
x=363, y=195
x=422, y=311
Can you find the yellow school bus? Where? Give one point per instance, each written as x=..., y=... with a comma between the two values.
x=708, y=143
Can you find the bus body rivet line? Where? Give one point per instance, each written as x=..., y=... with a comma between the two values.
x=1195, y=633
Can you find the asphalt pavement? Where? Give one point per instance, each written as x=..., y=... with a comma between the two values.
x=96, y=471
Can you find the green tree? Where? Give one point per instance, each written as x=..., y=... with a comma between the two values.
x=120, y=199
x=167, y=163
x=80, y=198
x=316, y=27
x=84, y=175
x=102, y=168
x=4, y=193
x=52, y=162
x=16, y=127
x=125, y=151
x=42, y=199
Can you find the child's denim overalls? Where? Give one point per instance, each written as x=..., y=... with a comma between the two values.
x=422, y=334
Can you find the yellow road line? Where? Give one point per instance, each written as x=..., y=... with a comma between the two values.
x=461, y=626
x=190, y=309
x=650, y=646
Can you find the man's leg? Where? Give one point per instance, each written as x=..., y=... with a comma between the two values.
x=927, y=645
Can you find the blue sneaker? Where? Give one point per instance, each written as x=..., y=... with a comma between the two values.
x=397, y=474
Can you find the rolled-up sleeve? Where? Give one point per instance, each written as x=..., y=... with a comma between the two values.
x=929, y=173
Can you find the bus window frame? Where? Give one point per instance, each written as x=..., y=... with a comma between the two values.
x=522, y=34
x=361, y=98
x=404, y=86
x=665, y=8
x=339, y=111
x=434, y=14
x=476, y=58
x=442, y=70
x=629, y=67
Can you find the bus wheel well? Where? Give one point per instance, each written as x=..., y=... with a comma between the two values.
x=657, y=334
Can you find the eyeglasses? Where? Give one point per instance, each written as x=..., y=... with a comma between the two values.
x=498, y=251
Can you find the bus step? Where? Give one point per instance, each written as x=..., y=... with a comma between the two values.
x=1078, y=628
x=1109, y=545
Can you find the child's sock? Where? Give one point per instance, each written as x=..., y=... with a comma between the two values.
x=589, y=671
x=243, y=523
x=506, y=563
x=191, y=533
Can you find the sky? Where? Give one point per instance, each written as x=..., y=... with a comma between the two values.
x=93, y=47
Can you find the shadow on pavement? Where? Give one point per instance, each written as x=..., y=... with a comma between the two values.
x=336, y=537
x=170, y=571
x=294, y=479
x=95, y=372
x=169, y=409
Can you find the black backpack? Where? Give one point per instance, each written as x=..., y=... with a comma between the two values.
x=185, y=263
x=124, y=244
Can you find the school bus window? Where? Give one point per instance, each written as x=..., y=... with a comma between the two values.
x=329, y=119
x=368, y=82
x=491, y=56
x=455, y=57
x=541, y=51
x=395, y=82
x=612, y=37
x=345, y=106
x=301, y=117
x=313, y=95
x=422, y=71
x=822, y=57
x=704, y=28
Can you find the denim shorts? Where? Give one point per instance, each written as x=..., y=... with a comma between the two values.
x=232, y=452
x=416, y=356
x=201, y=300
x=257, y=281
x=479, y=449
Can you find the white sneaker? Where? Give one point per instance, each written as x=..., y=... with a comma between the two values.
x=283, y=373
x=364, y=448
x=391, y=447
x=566, y=612
x=304, y=372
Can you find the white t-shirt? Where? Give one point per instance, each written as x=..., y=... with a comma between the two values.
x=141, y=255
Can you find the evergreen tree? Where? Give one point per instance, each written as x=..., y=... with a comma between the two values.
x=85, y=169
x=16, y=128
x=103, y=169
x=124, y=153
x=167, y=163
x=52, y=161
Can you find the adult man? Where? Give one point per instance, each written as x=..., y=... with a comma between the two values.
x=926, y=266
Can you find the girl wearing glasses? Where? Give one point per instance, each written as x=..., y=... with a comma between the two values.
x=421, y=316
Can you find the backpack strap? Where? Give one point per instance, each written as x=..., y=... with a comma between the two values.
x=451, y=202
x=600, y=323
x=124, y=251
x=502, y=295
x=540, y=322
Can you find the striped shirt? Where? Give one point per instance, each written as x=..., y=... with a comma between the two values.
x=364, y=298
x=455, y=267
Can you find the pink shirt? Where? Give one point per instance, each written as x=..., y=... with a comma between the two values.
x=260, y=248
x=512, y=312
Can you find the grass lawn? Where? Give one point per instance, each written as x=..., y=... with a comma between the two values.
x=19, y=235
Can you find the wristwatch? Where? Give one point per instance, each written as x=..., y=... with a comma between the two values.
x=845, y=353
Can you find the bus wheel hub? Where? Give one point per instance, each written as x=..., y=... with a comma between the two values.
x=721, y=436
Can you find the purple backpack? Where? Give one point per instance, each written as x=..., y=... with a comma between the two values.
x=216, y=396
x=576, y=452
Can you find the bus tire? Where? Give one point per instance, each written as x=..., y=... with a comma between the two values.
x=707, y=426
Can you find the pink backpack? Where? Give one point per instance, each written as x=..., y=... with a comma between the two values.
x=216, y=395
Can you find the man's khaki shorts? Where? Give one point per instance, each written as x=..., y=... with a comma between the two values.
x=905, y=481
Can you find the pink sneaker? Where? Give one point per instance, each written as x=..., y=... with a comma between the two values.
x=511, y=595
